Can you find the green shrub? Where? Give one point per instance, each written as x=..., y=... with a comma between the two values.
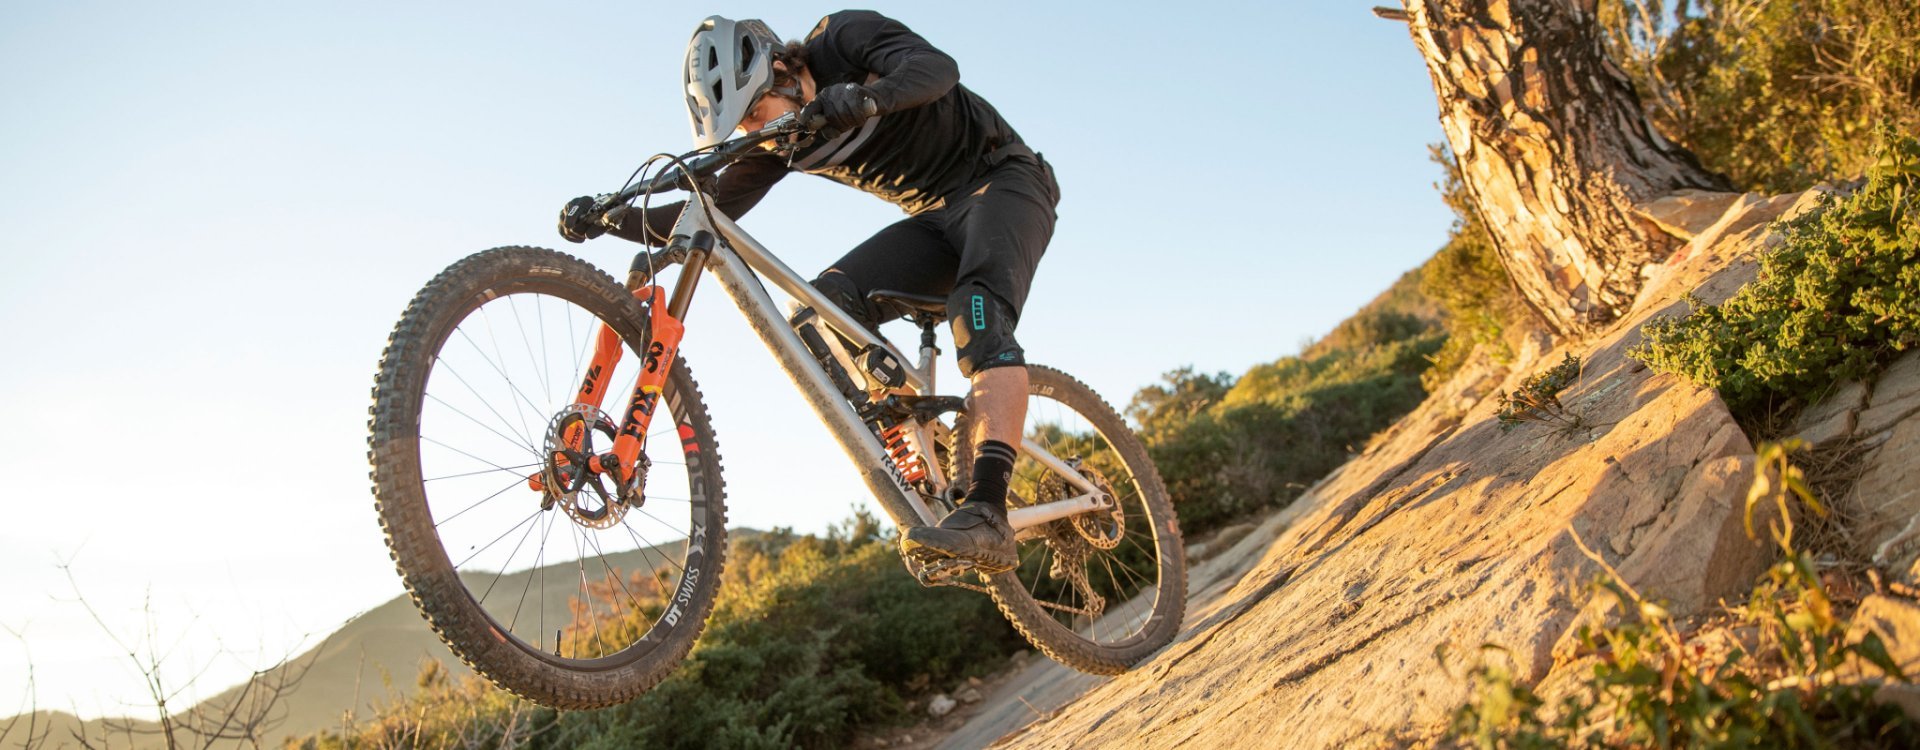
x=1775, y=94
x=813, y=638
x=1159, y=410
x=1651, y=685
x=1538, y=398
x=1835, y=301
x=1468, y=282
x=1227, y=447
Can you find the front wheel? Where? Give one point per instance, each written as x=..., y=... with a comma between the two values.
x=1103, y=590
x=564, y=593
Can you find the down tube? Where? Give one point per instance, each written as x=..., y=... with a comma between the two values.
x=896, y=497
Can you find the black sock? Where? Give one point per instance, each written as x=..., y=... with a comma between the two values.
x=991, y=470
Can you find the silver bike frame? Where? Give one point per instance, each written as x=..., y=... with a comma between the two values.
x=739, y=262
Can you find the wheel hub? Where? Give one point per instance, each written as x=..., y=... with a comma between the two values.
x=591, y=498
x=1105, y=527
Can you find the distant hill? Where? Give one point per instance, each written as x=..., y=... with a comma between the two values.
x=372, y=659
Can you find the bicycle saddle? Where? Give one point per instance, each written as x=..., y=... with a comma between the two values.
x=929, y=307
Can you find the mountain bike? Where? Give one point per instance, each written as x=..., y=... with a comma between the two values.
x=570, y=549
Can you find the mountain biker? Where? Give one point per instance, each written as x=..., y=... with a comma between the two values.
x=980, y=208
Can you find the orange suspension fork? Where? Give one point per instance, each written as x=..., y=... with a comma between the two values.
x=667, y=331
x=661, y=351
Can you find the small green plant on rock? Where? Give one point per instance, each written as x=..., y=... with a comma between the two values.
x=1770, y=679
x=1538, y=398
x=1837, y=300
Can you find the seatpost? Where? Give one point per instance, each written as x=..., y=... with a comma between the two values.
x=927, y=350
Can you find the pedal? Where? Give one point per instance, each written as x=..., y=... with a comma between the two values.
x=942, y=572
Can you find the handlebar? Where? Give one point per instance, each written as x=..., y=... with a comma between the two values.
x=693, y=166
x=700, y=166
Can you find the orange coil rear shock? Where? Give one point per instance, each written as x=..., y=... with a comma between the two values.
x=667, y=331
x=904, y=457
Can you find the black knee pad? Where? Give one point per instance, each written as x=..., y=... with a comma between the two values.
x=841, y=291
x=983, y=330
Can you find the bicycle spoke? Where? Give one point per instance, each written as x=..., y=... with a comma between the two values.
x=546, y=361
x=528, y=447
x=636, y=532
x=525, y=342
x=611, y=574
x=539, y=556
x=482, y=471
x=645, y=552
x=468, y=455
x=510, y=556
x=502, y=491
x=579, y=352
x=501, y=365
x=502, y=373
x=484, y=401
x=496, y=540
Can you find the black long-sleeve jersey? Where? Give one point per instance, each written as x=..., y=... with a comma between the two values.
x=931, y=138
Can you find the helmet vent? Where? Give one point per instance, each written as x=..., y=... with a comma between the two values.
x=713, y=58
x=719, y=93
x=746, y=53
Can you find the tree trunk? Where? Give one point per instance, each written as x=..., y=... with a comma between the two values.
x=1554, y=148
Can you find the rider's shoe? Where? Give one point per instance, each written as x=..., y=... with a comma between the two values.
x=976, y=532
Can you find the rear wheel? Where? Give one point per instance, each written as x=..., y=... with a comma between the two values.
x=1098, y=591
x=569, y=594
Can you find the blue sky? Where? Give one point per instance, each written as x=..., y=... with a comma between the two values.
x=212, y=213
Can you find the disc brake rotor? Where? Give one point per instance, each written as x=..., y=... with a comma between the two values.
x=1102, y=528
x=592, y=499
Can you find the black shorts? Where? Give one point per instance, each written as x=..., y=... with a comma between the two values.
x=979, y=250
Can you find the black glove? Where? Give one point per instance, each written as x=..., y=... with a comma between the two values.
x=840, y=108
x=580, y=219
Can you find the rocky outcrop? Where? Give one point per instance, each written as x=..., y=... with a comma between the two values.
x=1875, y=420
x=1449, y=533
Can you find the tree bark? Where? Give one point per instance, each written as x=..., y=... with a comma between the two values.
x=1555, y=149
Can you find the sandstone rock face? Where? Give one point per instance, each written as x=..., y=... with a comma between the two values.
x=1896, y=396
x=1881, y=417
x=1897, y=621
x=1687, y=213
x=1449, y=533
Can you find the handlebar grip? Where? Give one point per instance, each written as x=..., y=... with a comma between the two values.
x=817, y=122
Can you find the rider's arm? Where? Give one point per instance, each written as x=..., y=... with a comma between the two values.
x=738, y=189
x=912, y=72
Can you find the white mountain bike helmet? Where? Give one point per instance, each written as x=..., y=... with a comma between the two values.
x=729, y=65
